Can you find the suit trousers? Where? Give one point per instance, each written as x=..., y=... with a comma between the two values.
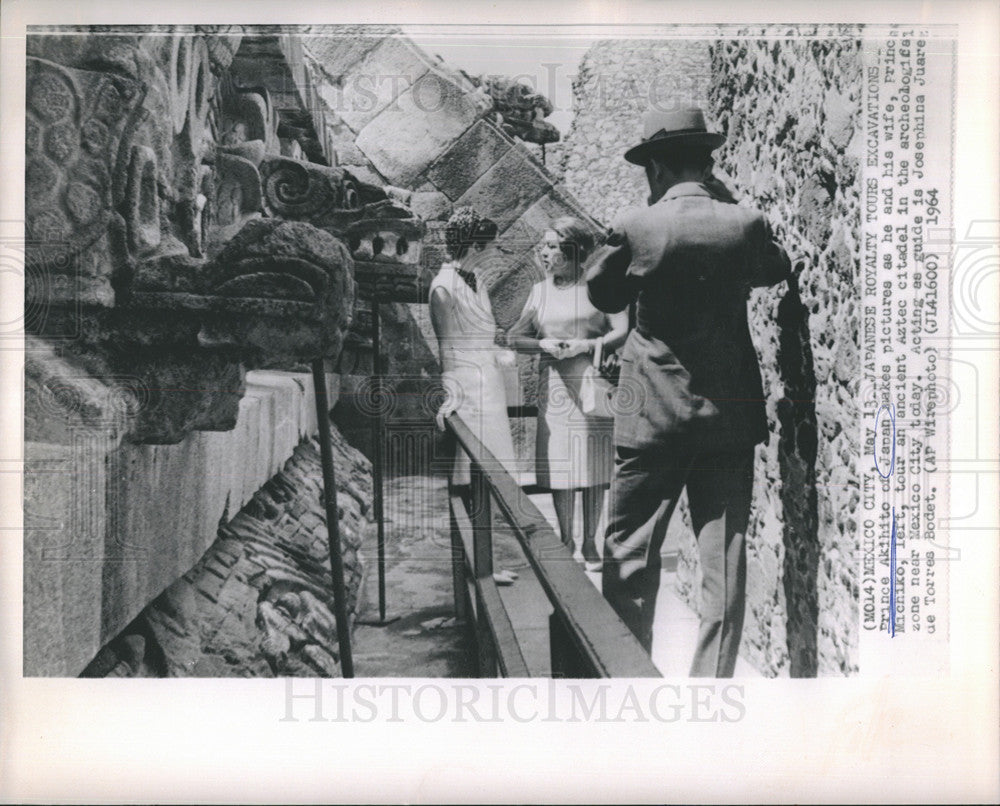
x=719, y=486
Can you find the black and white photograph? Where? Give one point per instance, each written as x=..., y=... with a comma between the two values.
x=500, y=360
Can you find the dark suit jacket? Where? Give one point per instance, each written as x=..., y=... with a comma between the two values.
x=689, y=261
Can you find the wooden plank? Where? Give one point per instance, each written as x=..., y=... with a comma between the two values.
x=464, y=525
x=482, y=525
x=526, y=602
x=508, y=649
x=487, y=662
x=457, y=564
x=600, y=635
x=487, y=601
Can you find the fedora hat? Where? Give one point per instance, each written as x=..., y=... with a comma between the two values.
x=664, y=130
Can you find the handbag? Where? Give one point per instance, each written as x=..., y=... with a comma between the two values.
x=596, y=392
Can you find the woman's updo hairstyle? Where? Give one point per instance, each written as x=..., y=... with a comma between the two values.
x=466, y=229
x=575, y=240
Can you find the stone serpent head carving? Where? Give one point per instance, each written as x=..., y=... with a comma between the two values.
x=165, y=236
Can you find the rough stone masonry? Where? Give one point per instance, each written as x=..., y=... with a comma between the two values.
x=789, y=109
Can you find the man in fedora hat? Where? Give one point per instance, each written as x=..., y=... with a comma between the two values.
x=688, y=261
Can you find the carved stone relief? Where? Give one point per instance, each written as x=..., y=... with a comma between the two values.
x=199, y=241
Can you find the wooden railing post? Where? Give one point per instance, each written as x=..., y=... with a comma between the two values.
x=587, y=638
x=565, y=658
x=482, y=524
x=482, y=563
x=457, y=563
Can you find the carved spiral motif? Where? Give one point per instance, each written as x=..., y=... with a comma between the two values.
x=292, y=191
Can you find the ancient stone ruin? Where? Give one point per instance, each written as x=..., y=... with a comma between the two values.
x=211, y=208
x=208, y=209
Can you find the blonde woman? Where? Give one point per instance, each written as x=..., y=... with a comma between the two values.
x=573, y=452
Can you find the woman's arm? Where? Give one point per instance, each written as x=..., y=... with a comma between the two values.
x=615, y=337
x=523, y=335
x=440, y=302
x=610, y=341
x=521, y=344
x=529, y=344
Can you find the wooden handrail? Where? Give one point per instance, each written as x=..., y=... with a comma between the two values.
x=605, y=645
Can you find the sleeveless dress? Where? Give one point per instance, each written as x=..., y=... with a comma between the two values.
x=572, y=450
x=470, y=373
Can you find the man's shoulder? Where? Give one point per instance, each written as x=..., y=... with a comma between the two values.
x=680, y=207
x=625, y=218
x=637, y=221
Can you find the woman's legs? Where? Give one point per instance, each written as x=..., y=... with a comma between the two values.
x=564, y=500
x=593, y=500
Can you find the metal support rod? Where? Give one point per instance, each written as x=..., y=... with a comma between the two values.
x=377, y=467
x=332, y=521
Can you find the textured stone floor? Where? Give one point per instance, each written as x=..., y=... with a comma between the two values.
x=422, y=638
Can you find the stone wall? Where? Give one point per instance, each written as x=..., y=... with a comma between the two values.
x=395, y=114
x=183, y=225
x=616, y=82
x=108, y=526
x=789, y=108
x=259, y=602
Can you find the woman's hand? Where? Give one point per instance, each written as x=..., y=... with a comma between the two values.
x=576, y=347
x=554, y=347
x=452, y=397
x=449, y=406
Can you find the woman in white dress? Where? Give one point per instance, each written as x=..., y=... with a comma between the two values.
x=573, y=451
x=471, y=362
